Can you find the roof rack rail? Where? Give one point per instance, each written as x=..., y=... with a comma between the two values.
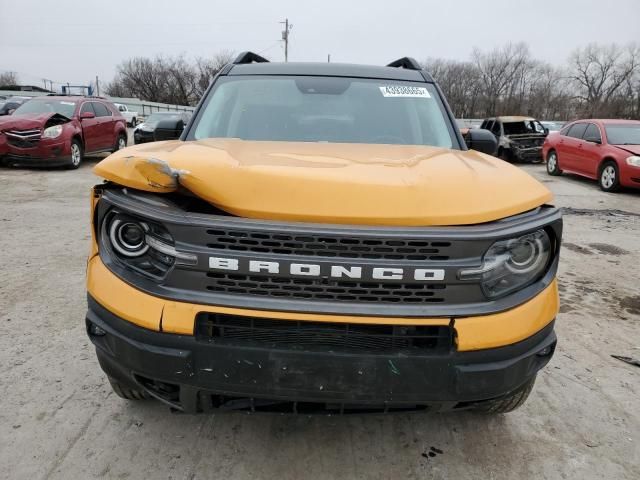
x=249, y=57
x=406, y=62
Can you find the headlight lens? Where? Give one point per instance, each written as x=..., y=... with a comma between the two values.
x=52, y=132
x=142, y=246
x=633, y=160
x=511, y=265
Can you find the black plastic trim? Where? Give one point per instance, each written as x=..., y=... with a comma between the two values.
x=127, y=353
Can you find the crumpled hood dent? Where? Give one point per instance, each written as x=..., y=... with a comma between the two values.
x=30, y=121
x=332, y=183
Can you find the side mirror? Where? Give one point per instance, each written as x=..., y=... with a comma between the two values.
x=168, y=129
x=482, y=140
x=87, y=115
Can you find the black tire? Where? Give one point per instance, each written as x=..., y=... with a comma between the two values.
x=77, y=154
x=553, y=167
x=505, y=155
x=117, y=146
x=127, y=393
x=508, y=403
x=609, y=177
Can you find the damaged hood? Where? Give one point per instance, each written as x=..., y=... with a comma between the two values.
x=331, y=183
x=30, y=121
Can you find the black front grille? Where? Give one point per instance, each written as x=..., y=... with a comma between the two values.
x=323, y=289
x=302, y=335
x=327, y=245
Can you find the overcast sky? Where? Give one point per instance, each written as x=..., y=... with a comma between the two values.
x=75, y=40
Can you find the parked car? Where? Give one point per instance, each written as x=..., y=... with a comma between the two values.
x=130, y=115
x=321, y=239
x=161, y=126
x=520, y=139
x=10, y=104
x=605, y=150
x=59, y=130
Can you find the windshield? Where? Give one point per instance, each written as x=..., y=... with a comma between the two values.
x=623, y=134
x=323, y=109
x=522, y=127
x=156, y=117
x=62, y=107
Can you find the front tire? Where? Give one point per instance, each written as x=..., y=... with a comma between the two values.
x=121, y=142
x=77, y=154
x=508, y=403
x=609, y=178
x=553, y=167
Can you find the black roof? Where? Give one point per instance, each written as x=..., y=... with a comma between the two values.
x=329, y=69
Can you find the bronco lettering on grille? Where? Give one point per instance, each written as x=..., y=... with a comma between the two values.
x=326, y=270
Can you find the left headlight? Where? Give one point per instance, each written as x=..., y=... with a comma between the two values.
x=511, y=265
x=633, y=160
x=52, y=132
x=141, y=245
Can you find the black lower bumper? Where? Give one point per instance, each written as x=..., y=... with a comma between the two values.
x=32, y=161
x=194, y=376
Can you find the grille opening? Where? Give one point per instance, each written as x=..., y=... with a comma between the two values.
x=321, y=245
x=265, y=405
x=301, y=335
x=324, y=289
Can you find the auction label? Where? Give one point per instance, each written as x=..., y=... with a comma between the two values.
x=404, y=91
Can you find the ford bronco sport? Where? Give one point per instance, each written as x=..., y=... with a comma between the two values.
x=320, y=239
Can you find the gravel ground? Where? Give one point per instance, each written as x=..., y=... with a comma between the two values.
x=60, y=420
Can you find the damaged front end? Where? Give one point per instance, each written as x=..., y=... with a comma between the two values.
x=524, y=147
x=34, y=141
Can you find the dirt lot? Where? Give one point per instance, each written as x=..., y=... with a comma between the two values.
x=59, y=418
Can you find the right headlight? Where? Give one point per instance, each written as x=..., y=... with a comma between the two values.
x=143, y=246
x=633, y=160
x=512, y=264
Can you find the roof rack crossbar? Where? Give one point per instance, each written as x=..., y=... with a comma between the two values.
x=249, y=57
x=406, y=62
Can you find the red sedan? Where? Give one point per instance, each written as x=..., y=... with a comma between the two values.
x=605, y=150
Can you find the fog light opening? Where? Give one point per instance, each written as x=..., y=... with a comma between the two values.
x=546, y=351
x=96, y=331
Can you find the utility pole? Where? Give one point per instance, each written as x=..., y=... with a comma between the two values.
x=97, y=86
x=328, y=58
x=285, y=37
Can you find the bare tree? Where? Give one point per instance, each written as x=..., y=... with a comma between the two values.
x=499, y=71
x=207, y=68
x=600, y=72
x=8, y=78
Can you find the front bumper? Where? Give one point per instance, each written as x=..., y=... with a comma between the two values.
x=194, y=376
x=143, y=136
x=528, y=154
x=47, y=153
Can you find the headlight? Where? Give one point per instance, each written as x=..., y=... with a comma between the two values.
x=52, y=132
x=511, y=265
x=633, y=160
x=142, y=246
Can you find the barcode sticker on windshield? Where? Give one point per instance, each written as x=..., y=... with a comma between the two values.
x=404, y=91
